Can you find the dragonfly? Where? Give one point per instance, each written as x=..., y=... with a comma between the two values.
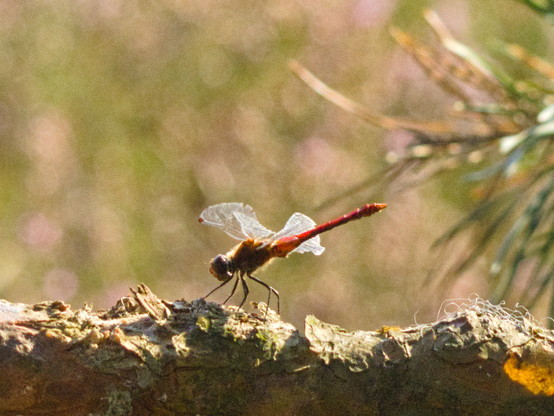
x=259, y=245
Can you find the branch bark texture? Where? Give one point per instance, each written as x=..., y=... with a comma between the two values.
x=147, y=356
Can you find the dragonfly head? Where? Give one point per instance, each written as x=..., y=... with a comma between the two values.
x=221, y=267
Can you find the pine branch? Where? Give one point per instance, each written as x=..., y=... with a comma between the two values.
x=503, y=135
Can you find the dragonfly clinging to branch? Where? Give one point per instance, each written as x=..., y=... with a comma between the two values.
x=259, y=245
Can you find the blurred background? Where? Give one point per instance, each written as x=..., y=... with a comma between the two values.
x=120, y=122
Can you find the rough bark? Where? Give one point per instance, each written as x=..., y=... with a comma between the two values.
x=147, y=356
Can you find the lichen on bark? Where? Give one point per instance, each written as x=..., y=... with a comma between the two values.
x=150, y=356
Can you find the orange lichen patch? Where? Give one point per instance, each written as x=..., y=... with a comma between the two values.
x=386, y=329
x=535, y=372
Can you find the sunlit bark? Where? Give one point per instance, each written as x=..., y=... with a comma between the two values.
x=147, y=356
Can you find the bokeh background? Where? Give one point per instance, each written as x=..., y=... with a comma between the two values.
x=120, y=121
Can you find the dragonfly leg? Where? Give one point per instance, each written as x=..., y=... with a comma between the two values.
x=232, y=291
x=245, y=289
x=270, y=289
x=221, y=285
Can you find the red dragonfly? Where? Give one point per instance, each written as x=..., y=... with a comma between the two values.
x=259, y=245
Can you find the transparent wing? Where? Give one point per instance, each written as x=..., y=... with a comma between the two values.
x=236, y=219
x=298, y=223
x=252, y=227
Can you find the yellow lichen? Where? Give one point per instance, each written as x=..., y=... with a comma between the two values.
x=535, y=373
x=387, y=329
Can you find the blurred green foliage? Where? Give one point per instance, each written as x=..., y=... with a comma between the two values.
x=545, y=7
x=120, y=122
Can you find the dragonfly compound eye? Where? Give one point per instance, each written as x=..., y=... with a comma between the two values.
x=220, y=267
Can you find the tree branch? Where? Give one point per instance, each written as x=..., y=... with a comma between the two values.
x=147, y=356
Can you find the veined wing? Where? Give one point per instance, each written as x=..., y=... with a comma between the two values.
x=237, y=220
x=296, y=224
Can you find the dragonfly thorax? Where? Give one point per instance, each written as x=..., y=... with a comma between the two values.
x=243, y=259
